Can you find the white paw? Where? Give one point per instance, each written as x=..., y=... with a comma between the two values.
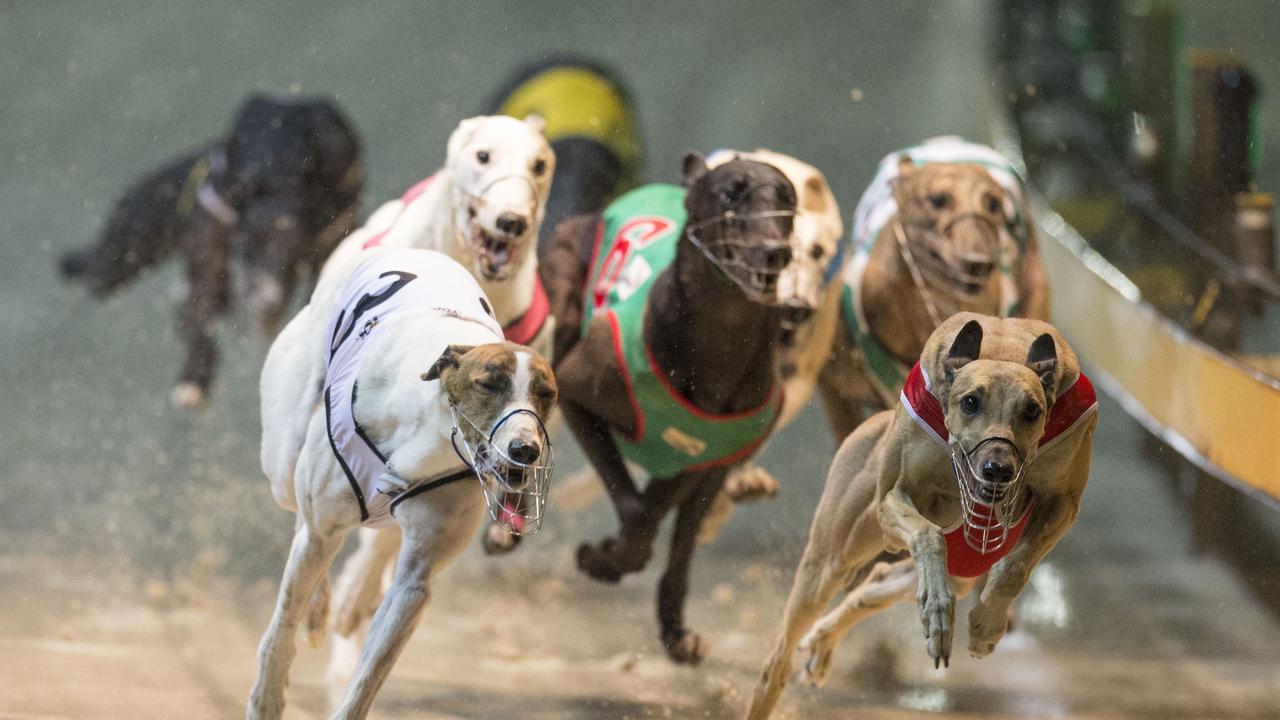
x=750, y=482
x=818, y=666
x=187, y=396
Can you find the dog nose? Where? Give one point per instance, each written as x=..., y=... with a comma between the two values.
x=777, y=258
x=994, y=471
x=798, y=313
x=523, y=452
x=979, y=269
x=512, y=224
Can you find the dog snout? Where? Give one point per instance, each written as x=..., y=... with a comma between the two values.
x=997, y=471
x=777, y=258
x=524, y=452
x=978, y=269
x=512, y=224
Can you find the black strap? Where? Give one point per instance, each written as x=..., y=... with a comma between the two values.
x=452, y=477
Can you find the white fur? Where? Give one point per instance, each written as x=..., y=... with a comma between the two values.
x=439, y=219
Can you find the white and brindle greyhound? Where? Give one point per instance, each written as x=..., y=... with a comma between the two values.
x=484, y=209
x=420, y=396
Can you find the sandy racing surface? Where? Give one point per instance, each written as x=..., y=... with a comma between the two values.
x=140, y=549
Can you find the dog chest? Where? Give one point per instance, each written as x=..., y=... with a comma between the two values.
x=389, y=285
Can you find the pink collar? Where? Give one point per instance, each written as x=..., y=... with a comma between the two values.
x=1077, y=403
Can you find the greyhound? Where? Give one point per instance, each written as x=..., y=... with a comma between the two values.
x=665, y=351
x=945, y=224
x=252, y=213
x=421, y=396
x=977, y=473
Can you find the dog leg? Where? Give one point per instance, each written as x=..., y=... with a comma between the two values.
x=683, y=645
x=436, y=530
x=632, y=548
x=358, y=588
x=887, y=584
x=1050, y=520
x=309, y=559
x=904, y=526
x=818, y=579
x=747, y=483
x=207, y=281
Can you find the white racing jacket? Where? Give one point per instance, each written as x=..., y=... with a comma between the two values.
x=384, y=288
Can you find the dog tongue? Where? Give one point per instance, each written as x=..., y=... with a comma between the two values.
x=510, y=517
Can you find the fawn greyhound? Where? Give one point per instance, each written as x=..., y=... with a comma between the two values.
x=978, y=473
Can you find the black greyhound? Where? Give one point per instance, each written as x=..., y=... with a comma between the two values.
x=709, y=341
x=252, y=213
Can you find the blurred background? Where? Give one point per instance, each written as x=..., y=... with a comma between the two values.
x=139, y=545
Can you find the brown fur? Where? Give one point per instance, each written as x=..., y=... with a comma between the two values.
x=896, y=313
x=891, y=487
x=688, y=301
x=491, y=369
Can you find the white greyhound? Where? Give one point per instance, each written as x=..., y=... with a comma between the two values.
x=412, y=364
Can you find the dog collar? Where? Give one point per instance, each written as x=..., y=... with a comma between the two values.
x=1071, y=408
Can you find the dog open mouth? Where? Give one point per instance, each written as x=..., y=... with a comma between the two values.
x=493, y=251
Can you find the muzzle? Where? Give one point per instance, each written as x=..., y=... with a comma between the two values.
x=515, y=492
x=991, y=508
x=759, y=281
x=964, y=277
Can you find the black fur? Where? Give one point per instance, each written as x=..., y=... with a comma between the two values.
x=290, y=168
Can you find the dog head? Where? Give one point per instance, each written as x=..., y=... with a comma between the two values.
x=816, y=231
x=504, y=392
x=740, y=216
x=501, y=171
x=996, y=408
x=952, y=215
x=287, y=170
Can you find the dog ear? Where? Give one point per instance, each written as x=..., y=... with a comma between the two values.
x=964, y=349
x=906, y=165
x=1042, y=358
x=450, y=359
x=537, y=122
x=462, y=135
x=694, y=167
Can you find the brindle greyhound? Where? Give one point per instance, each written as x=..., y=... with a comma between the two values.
x=710, y=343
x=943, y=228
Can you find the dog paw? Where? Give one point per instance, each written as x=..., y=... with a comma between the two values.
x=498, y=541
x=718, y=515
x=598, y=562
x=750, y=482
x=187, y=396
x=818, y=646
x=986, y=627
x=686, y=647
x=937, y=602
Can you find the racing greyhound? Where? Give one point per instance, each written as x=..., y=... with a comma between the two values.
x=419, y=397
x=978, y=473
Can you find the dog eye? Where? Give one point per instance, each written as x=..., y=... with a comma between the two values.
x=939, y=201
x=489, y=385
x=733, y=193
x=993, y=205
x=970, y=404
x=545, y=393
x=539, y=167
x=817, y=252
x=482, y=156
x=1031, y=413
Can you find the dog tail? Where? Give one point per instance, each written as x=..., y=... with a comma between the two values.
x=318, y=614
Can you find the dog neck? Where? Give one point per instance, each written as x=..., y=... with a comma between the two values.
x=897, y=314
x=510, y=297
x=734, y=367
x=408, y=420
